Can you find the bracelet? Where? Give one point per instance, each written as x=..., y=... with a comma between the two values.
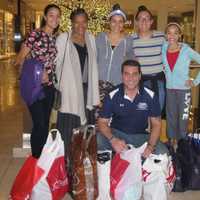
x=111, y=138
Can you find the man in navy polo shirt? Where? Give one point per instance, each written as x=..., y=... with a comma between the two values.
x=126, y=112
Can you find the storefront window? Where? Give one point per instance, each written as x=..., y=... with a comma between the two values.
x=188, y=28
x=9, y=33
x=2, y=47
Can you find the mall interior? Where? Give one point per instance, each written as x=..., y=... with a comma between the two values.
x=18, y=18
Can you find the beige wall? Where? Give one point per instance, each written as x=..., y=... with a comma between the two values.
x=9, y=5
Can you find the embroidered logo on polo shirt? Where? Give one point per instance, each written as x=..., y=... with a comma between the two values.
x=121, y=105
x=142, y=106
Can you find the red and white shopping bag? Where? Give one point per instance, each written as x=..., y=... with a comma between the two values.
x=118, y=168
x=159, y=173
x=28, y=176
x=57, y=179
x=126, y=174
x=33, y=180
x=54, y=183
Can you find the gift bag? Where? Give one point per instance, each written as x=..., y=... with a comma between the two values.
x=84, y=163
x=126, y=174
x=103, y=171
x=54, y=183
x=159, y=173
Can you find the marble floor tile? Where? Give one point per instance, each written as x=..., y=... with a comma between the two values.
x=8, y=177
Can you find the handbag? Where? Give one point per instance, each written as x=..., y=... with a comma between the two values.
x=57, y=99
x=57, y=94
x=31, y=88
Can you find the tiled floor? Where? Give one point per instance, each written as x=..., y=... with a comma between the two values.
x=11, y=109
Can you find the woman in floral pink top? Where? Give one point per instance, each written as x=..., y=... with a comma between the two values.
x=43, y=48
x=40, y=44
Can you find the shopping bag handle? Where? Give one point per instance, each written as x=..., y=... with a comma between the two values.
x=86, y=138
x=55, y=134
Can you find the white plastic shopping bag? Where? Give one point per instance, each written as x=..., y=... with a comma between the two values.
x=52, y=161
x=103, y=171
x=130, y=185
x=158, y=177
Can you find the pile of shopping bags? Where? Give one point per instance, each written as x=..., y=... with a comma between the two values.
x=131, y=179
x=94, y=175
x=44, y=178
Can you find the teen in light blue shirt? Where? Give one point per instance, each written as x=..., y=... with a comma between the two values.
x=176, y=59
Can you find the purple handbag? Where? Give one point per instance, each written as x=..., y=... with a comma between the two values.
x=31, y=88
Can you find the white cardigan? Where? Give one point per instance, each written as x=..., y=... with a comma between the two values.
x=71, y=84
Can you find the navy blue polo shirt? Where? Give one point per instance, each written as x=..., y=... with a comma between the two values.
x=129, y=116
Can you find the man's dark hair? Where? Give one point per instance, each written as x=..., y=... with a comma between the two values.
x=141, y=9
x=132, y=63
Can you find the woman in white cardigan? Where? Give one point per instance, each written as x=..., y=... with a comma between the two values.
x=78, y=76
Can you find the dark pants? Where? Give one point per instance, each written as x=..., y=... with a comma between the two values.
x=40, y=113
x=66, y=122
x=157, y=83
x=136, y=140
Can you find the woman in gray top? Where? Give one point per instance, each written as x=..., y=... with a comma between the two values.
x=113, y=47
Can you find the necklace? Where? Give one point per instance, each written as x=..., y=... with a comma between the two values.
x=174, y=48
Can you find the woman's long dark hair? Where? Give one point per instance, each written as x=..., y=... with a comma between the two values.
x=46, y=10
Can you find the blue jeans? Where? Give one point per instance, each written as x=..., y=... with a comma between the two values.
x=161, y=91
x=135, y=139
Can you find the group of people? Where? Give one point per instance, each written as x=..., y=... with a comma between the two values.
x=148, y=70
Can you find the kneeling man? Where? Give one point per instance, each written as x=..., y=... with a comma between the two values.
x=126, y=112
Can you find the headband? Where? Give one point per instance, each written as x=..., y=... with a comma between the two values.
x=117, y=12
x=175, y=24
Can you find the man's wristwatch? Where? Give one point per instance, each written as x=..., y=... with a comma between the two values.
x=112, y=137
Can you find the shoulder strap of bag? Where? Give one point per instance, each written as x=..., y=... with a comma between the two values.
x=62, y=65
